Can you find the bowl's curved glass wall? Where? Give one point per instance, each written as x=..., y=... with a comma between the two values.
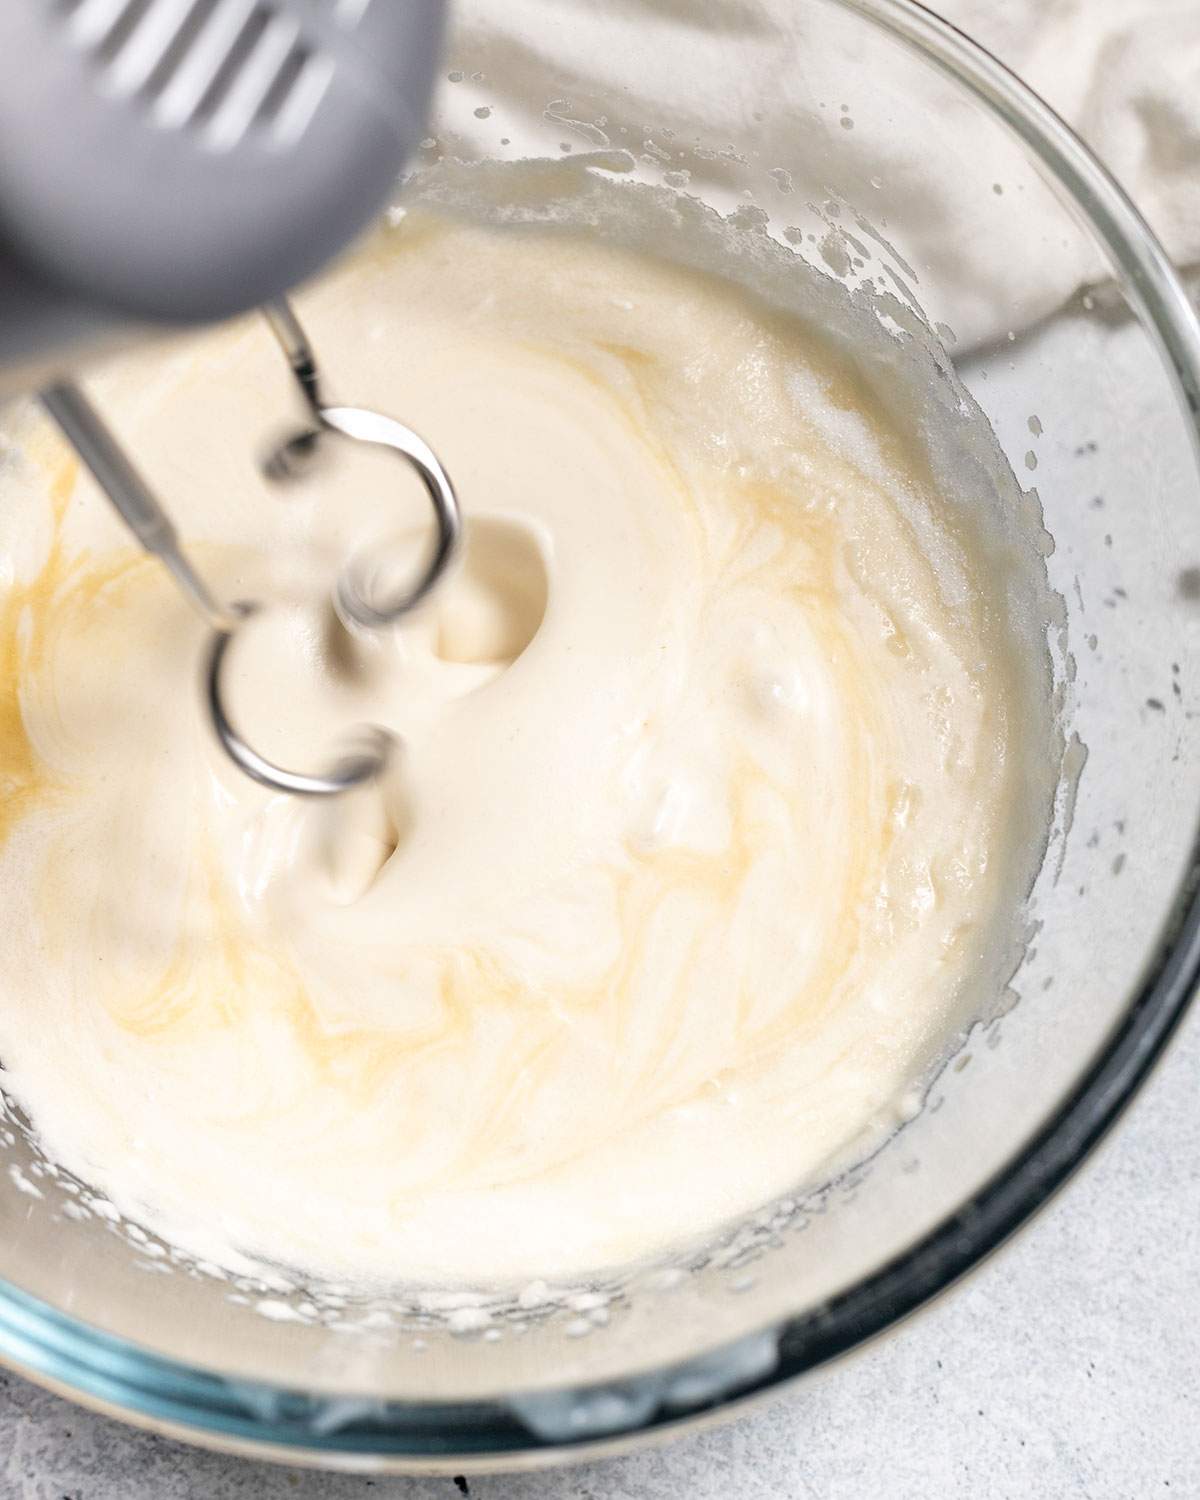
x=871, y=163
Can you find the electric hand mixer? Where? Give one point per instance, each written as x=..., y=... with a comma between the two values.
x=172, y=161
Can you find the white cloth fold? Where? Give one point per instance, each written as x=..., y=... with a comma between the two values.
x=1126, y=75
x=776, y=79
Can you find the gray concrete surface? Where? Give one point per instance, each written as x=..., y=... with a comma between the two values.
x=1068, y=1366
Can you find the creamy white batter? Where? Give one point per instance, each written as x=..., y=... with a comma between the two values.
x=724, y=777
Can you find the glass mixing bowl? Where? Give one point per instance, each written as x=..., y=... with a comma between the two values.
x=879, y=143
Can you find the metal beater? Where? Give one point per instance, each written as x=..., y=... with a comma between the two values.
x=148, y=520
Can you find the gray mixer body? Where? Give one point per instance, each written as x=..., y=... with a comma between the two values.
x=178, y=161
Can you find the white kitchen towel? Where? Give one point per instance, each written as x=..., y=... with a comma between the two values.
x=1125, y=73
